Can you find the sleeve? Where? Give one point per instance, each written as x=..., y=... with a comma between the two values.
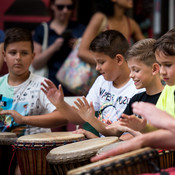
x=2, y=36
x=93, y=94
x=38, y=34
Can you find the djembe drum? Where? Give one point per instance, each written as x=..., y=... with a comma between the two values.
x=31, y=150
x=145, y=160
x=74, y=155
x=7, y=139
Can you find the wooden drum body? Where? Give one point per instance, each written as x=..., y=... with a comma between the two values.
x=7, y=139
x=31, y=150
x=145, y=160
x=74, y=155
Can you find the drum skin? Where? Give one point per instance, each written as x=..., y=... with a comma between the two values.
x=31, y=150
x=67, y=157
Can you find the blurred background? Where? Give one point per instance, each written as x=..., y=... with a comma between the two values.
x=155, y=17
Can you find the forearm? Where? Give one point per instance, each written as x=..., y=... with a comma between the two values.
x=163, y=139
x=42, y=58
x=69, y=113
x=101, y=128
x=51, y=120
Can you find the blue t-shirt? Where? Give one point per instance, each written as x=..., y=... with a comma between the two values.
x=76, y=30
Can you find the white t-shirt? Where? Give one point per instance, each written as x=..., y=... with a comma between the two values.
x=109, y=100
x=27, y=99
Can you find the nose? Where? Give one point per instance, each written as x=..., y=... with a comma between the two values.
x=18, y=55
x=131, y=75
x=162, y=70
x=97, y=67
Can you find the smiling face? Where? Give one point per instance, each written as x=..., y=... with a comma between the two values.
x=140, y=73
x=18, y=56
x=167, y=67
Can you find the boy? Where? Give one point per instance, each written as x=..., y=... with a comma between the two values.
x=111, y=91
x=145, y=73
x=164, y=137
x=20, y=90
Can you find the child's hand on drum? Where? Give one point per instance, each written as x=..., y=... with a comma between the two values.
x=56, y=96
x=18, y=118
x=85, y=110
x=86, y=133
x=133, y=122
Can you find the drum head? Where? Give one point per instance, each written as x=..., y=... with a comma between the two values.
x=78, y=151
x=108, y=147
x=7, y=138
x=50, y=137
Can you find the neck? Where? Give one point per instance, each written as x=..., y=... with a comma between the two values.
x=123, y=78
x=155, y=88
x=15, y=80
x=119, y=12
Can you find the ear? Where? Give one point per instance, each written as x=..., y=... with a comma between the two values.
x=119, y=58
x=155, y=68
x=4, y=56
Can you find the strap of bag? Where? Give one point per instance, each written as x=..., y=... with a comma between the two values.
x=45, y=38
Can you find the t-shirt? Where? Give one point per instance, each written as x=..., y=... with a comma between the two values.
x=109, y=101
x=143, y=96
x=27, y=99
x=166, y=100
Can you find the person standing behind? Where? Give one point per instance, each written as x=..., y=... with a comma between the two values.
x=110, y=15
x=62, y=32
x=20, y=89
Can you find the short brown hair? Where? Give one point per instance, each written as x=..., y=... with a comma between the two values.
x=142, y=51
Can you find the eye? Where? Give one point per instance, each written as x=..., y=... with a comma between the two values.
x=24, y=53
x=12, y=52
x=168, y=65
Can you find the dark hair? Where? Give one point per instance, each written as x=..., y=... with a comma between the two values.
x=110, y=42
x=143, y=51
x=17, y=34
x=166, y=43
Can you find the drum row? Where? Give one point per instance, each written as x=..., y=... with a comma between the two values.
x=61, y=153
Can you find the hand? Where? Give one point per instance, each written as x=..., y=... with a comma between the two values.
x=121, y=148
x=58, y=43
x=18, y=118
x=85, y=110
x=117, y=125
x=56, y=96
x=133, y=122
x=155, y=116
x=87, y=134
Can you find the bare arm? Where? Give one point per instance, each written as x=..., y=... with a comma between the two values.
x=56, y=97
x=155, y=116
x=41, y=58
x=137, y=33
x=163, y=139
x=90, y=33
x=87, y=113
x=50, y=120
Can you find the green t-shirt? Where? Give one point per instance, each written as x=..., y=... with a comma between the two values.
x=166, y=101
